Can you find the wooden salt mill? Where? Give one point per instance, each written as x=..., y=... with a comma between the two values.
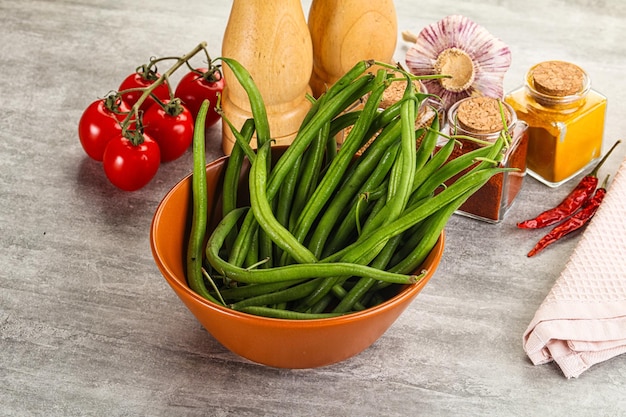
x=272, y=41
x=347, y=31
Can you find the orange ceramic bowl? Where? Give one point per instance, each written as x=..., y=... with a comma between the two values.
x=274, y=342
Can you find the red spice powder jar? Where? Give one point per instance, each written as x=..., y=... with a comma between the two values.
x=481, y=118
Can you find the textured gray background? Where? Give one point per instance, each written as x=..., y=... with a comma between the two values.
x=88, y=327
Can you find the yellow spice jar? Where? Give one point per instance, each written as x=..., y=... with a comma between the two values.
x=565, y=117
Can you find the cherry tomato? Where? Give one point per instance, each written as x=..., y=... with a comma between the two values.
x=194, y=87
x=143, y=79
x=98, y=124
x=171, y=127
x=129, y=166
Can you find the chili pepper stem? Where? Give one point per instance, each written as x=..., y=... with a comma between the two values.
x=604, y=158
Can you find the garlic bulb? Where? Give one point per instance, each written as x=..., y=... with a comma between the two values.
x=474, y=60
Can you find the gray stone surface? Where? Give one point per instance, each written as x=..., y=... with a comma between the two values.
x=88, y=327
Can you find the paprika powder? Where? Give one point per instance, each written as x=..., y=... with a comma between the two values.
x=481, y=118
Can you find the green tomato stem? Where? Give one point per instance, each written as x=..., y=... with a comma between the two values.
x=148, y=90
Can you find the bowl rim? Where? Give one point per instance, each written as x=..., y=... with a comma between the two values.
x=409, y=291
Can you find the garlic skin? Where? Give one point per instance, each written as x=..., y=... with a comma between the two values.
x=475, y=60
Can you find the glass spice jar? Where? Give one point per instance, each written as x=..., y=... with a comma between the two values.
x=565, y=118
x=481, y=118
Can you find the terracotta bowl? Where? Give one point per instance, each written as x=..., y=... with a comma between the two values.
x=274, y=342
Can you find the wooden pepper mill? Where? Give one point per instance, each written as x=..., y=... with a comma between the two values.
x=347, y=31
x=272, y=41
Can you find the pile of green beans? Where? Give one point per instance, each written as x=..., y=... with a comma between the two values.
x=329, y=229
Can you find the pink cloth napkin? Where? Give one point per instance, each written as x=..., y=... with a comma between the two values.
x=582, y=321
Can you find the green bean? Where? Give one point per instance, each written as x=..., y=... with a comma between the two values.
x=347, y=192
x=321, y=305
x=262, y=211
x=241, y=141
x=286, y=196
x=430, y=233
x=200, y=209
x=364, y=284
x=309, y=175
x=374, y=181
x=374, y=241
x=439, y=158
x=333, y=176
x=257, y=105
x=403, y=171
x=402, y=177
x=308, y=132
x=285, y=273
x=251, y=290
x=344, y=121
x=456, y=166
x=295, y=292
x=428, y=143
x=346, y=79
x=286, y=314
x=231, y=176
x=251, y=255
x=243, y=242
x=352, y=74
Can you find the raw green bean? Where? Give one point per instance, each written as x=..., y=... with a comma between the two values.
x=242, y=245
x=334, y=106
x=428, y=143
x=333, y=176
x=308, y=132
x=263, y=211
x=241, y=141
x=286, y=314
x=458, y=165
x=430, y=233
x=344, y=121
x=309, y=175
x=285, y=273
x=403, y=171
x=348, y=191
x=251, y=254
x=402, y=177
x=439, y=158
x=364, y=284
x=375, y=240
x=321, y=305
x=252, y=290
x=286, y=195
x=374, y=181
x=232, y=174
x=352, y=74
x=257, y=105
x=347, y=78
x=293, y=293
x=195, y=278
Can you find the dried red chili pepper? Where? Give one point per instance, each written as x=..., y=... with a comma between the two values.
x=578, y=220
x=574, y=200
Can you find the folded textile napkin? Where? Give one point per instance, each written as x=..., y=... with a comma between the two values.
x=582, y=321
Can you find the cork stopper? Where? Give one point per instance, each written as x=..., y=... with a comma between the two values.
x=481, y=115
x=558, y=78
x=395, y=91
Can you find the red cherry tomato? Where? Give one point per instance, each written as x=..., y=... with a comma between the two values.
x=171, y=127
x=129, y=166
x=98, y=124
x=194, y=87
x=143, y=79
